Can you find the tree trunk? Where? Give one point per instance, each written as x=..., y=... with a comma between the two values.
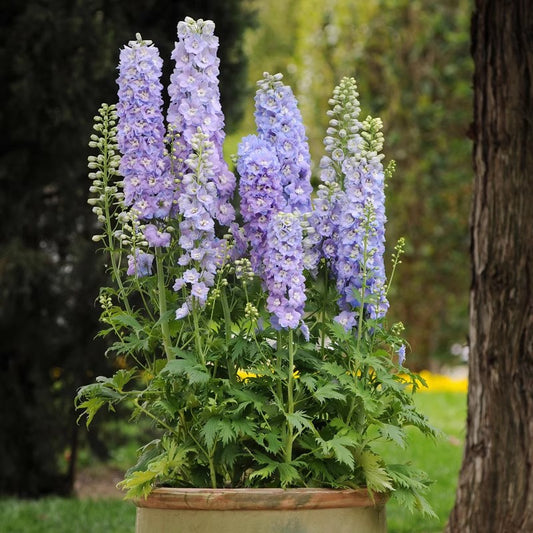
x=495, y=491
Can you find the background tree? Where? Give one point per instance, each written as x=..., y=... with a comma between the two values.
x=58, y=61
x=411, y=61
x=495, y=492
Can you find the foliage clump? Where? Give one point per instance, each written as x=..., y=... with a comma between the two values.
x=256, y=339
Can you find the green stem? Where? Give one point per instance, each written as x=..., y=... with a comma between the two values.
x=363, y=289
x=163, y=305
x=109, y=229
x=279, y=344
x=153, y=417
x=232, y=373
x=290, y=399
x=212, y=471
x=197, y=336
x=324, y=304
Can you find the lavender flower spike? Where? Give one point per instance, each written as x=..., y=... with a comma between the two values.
x=195, y=106
x=148, y=187
x=203, y=252
x=348, y=219
x=283, y=274
x=261, y=194
x=279, y=122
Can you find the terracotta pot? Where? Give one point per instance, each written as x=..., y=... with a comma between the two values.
x=169, y=510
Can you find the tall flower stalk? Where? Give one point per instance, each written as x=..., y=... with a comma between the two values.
x=348, y=220
x=195, y=107
x=148, y=186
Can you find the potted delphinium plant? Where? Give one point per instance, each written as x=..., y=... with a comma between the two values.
x=251, y=312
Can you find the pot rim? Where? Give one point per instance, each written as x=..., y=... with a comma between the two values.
x=260, y=499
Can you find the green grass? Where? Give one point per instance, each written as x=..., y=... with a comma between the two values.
x=440, y=459
x=62, y=515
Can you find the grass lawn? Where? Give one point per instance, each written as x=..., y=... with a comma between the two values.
x=441, y=460
x=62, y=515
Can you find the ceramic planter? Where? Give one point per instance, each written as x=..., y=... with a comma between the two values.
x=168, y=510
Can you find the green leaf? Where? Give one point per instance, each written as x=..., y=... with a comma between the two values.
x=226, y=432
x=338, y=445
x=287, y=473
x=405, y=476
x=243, y=426
x=126, y=319
x=123, y=377
x=309, y=381
x=414, y=501
x=375, y=475
x=139, y=484
x=91, y=407
x=194, y=372
x=393, y=433
x=264, y=472
x=329, y=391
x=274, y=443
x=339, y=333
x=334, y=369
x=342, y=453
x=243, y=396
x=210, y=431
x=299, y=420
x=148, y=453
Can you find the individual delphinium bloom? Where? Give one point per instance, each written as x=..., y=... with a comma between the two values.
x=195, y=105
x=140, y=264
x=148, y=186
x=283, y=273
x=261, y=193
x=279, y=122
x=203, y=251
x=348, y=218
x=401, y=354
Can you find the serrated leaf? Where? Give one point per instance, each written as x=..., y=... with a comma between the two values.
x=126, y=319
x=299, y=420
x=194, y=372
x=406, y=477
x=148, y=453
x=230, y=454
x=242, y=426
x=91, y=407
x=123, y=377
x=309, y=381
x=333, y=369
x=225, y=431
x=274, y=443
x=413, y=501
x=210, y=430
x=264, y=472
x=329, y=391
x=339, y=332
x=338, y=445
x=393, y=433
x=342, y=453
x=138, y=484
x=243, y=395
x=287, y=474
x=376, y=476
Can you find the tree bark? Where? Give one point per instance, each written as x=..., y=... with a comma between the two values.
x=495, y=491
